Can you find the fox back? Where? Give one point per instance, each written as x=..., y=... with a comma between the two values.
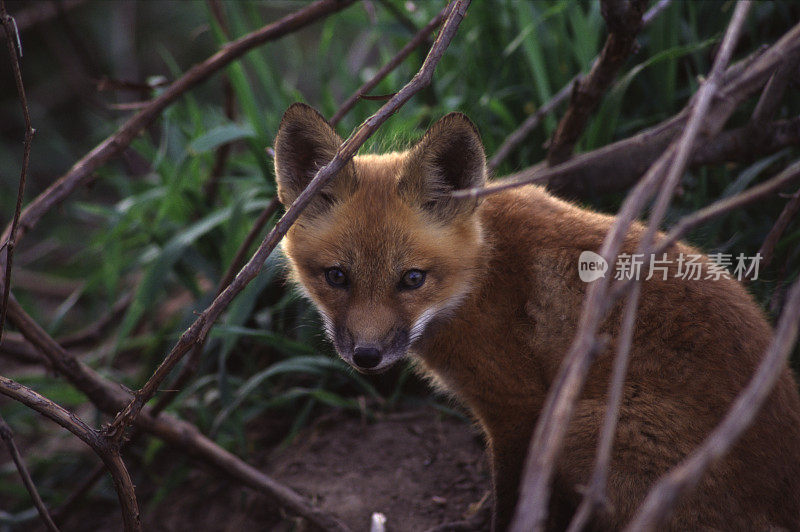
x=485, y=296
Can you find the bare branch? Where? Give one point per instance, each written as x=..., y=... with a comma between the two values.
x=655, y=11
x=420, y=38
x=595, y=496
x=624, y=20
x=789, y=174
x=718, y=208
x=530, y=123
x=744, y=144
x=533, y=121
x=553, y=421
x=682, y=478
x=15, y=347
x=199, y=329
x=8, y=437
x=773, y=93
x=10, y=242
x=190, y=366
x=617, y=166
x=82, y=170
x=788, y=212
x=71, y=422
x=110, y=398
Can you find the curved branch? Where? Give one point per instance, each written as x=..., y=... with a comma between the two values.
x=110, y=398
x=71, y=422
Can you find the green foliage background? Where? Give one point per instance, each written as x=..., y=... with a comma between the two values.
x=145, y=225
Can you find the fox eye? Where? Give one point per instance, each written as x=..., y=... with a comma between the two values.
x=412, y=279
x=336, y=277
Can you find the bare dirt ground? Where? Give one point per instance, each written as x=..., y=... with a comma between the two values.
x=419, y=468
x=419, y=471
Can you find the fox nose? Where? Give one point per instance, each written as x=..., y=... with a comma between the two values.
x=366, y=357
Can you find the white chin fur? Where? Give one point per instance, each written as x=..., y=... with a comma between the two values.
x=327, y=323
x=422, y=322
x=442, y=309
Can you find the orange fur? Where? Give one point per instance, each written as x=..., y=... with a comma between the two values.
x=499, y=307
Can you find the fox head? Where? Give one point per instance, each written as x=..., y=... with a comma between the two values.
x=383, y=250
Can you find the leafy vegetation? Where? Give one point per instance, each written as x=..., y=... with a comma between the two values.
x=148, y=225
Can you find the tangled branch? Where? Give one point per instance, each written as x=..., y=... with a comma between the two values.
x=107, y=452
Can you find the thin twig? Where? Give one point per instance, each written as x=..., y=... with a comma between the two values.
x=744, y=145
x=420, y=38
x=624, y=20
x=61, y=513
x=199, y=329
x=82, y=170
x=790, y=174
x=682, y=478
x=655, y=11
x=190, y=366
x=772, y=94
x=15, y=53
x=530, y=123
x=552, y=425
x=8, y=437
x=15, y=347
x=789, y=211
x=71, y=422
x=193, y=359
x=595, y=497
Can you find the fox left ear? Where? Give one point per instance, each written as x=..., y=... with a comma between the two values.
x=306, y=142
x=449, y=157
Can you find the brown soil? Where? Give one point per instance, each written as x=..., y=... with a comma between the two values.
x=420, y=469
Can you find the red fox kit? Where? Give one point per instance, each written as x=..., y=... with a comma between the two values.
x=485, y=298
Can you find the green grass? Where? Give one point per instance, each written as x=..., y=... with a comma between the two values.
x=146, y=226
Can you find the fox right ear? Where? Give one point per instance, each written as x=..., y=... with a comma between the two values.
x=449, y=157
x=305, y=143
